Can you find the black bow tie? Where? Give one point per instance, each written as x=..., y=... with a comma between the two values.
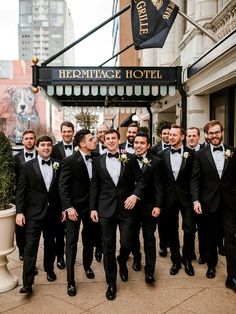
x=68, y=147
x=29, y=155
x=173, y=151
x=87, y=157
x=220, y=148
x=104, y=147
x=166, y=145
x=140, y=158
x=131, y=145
x=46, y=162
x=116, y=155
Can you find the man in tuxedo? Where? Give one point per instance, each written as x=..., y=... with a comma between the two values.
x=149, y=206
x=177, y=167
x=128, y=145
x=74, y=181
x=38, y=208
x=100, y=149
x=193, y=142
x=28, y=153
x=116, y=185
x=213, y=187
x=162, y=219
x=61, y=150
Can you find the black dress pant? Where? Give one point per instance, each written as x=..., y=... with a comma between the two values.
x=229, y=223
x=162, y=229
x=188, y=226
x=33, y=229
x=72, y=236
x=60, y=238
x=109, y=228
x=20, y=238
x=148, y=226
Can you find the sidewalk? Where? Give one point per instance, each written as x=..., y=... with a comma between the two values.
x=178, y=294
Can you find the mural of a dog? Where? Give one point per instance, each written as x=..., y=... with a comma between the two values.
x=23, y=100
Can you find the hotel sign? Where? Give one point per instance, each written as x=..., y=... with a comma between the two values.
x=108, y=75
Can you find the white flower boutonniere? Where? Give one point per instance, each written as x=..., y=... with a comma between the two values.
x=55, y=165
x=123, y=158
x=76, y=148
x=186, y=155
x=146, y=162
x=228, y=153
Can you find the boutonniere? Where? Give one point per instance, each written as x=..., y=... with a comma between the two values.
x=186, y=155
x=146, y=162
x=123, y=158
x=55, y=165
x=76, y=148
x=228, y=153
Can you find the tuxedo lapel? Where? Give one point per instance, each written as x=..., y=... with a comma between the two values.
x=167, y=158
x=22, y=157
x=210, y=158
x=62, y=150
x=38, y=171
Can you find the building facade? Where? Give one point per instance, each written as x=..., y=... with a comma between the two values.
x=208, y=66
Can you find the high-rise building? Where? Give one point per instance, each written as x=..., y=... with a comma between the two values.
x=45, y=28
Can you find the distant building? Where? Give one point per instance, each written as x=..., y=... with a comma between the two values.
x=45, y=28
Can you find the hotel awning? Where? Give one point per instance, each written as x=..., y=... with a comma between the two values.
x=107, y=86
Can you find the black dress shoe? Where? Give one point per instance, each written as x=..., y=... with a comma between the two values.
x=98, y=255
x=71, y=290
x=202, y=260
x=136, y=265
x=231, y=283
x=211, y=272
x=123, y=273
x=111, y=292
x=26, y=289
x=149, y=279
x=175, y=269
x=89, y=273
x=61, y=263
x=163, y=252
x=189, y=268
x=51, y=276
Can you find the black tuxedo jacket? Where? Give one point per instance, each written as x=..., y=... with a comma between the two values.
x=19, y=160
x=153, y=191
x=58, y=151
x=206, y=185
x=107, y=198
x=32, y=197
x=74, y=183
x=156, y=148
x=177, y=191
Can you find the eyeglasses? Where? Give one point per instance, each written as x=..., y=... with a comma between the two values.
x=214, y=133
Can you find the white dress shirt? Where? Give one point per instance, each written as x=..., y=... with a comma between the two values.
x=68, y=151
x=113, y=166
x=176, y=161
x=219, y=159
x=46, y=171
x=88, y=163
x=28, y=158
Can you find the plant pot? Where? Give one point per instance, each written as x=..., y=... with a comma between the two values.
x=8, y=281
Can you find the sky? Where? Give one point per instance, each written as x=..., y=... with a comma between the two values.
x=86, y=14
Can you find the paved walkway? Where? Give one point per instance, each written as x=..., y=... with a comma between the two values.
x=178, y=294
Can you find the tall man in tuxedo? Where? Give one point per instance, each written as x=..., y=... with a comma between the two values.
x=38, y=208
x=75, y=179
x=61, y=150
x=149, y=207
x=177, y=167
x=28, y=153
x=116, y=186
x=213, y=187
x=162, y=219
x=128, y=145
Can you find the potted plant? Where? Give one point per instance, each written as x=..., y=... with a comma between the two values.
x=7, y=212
